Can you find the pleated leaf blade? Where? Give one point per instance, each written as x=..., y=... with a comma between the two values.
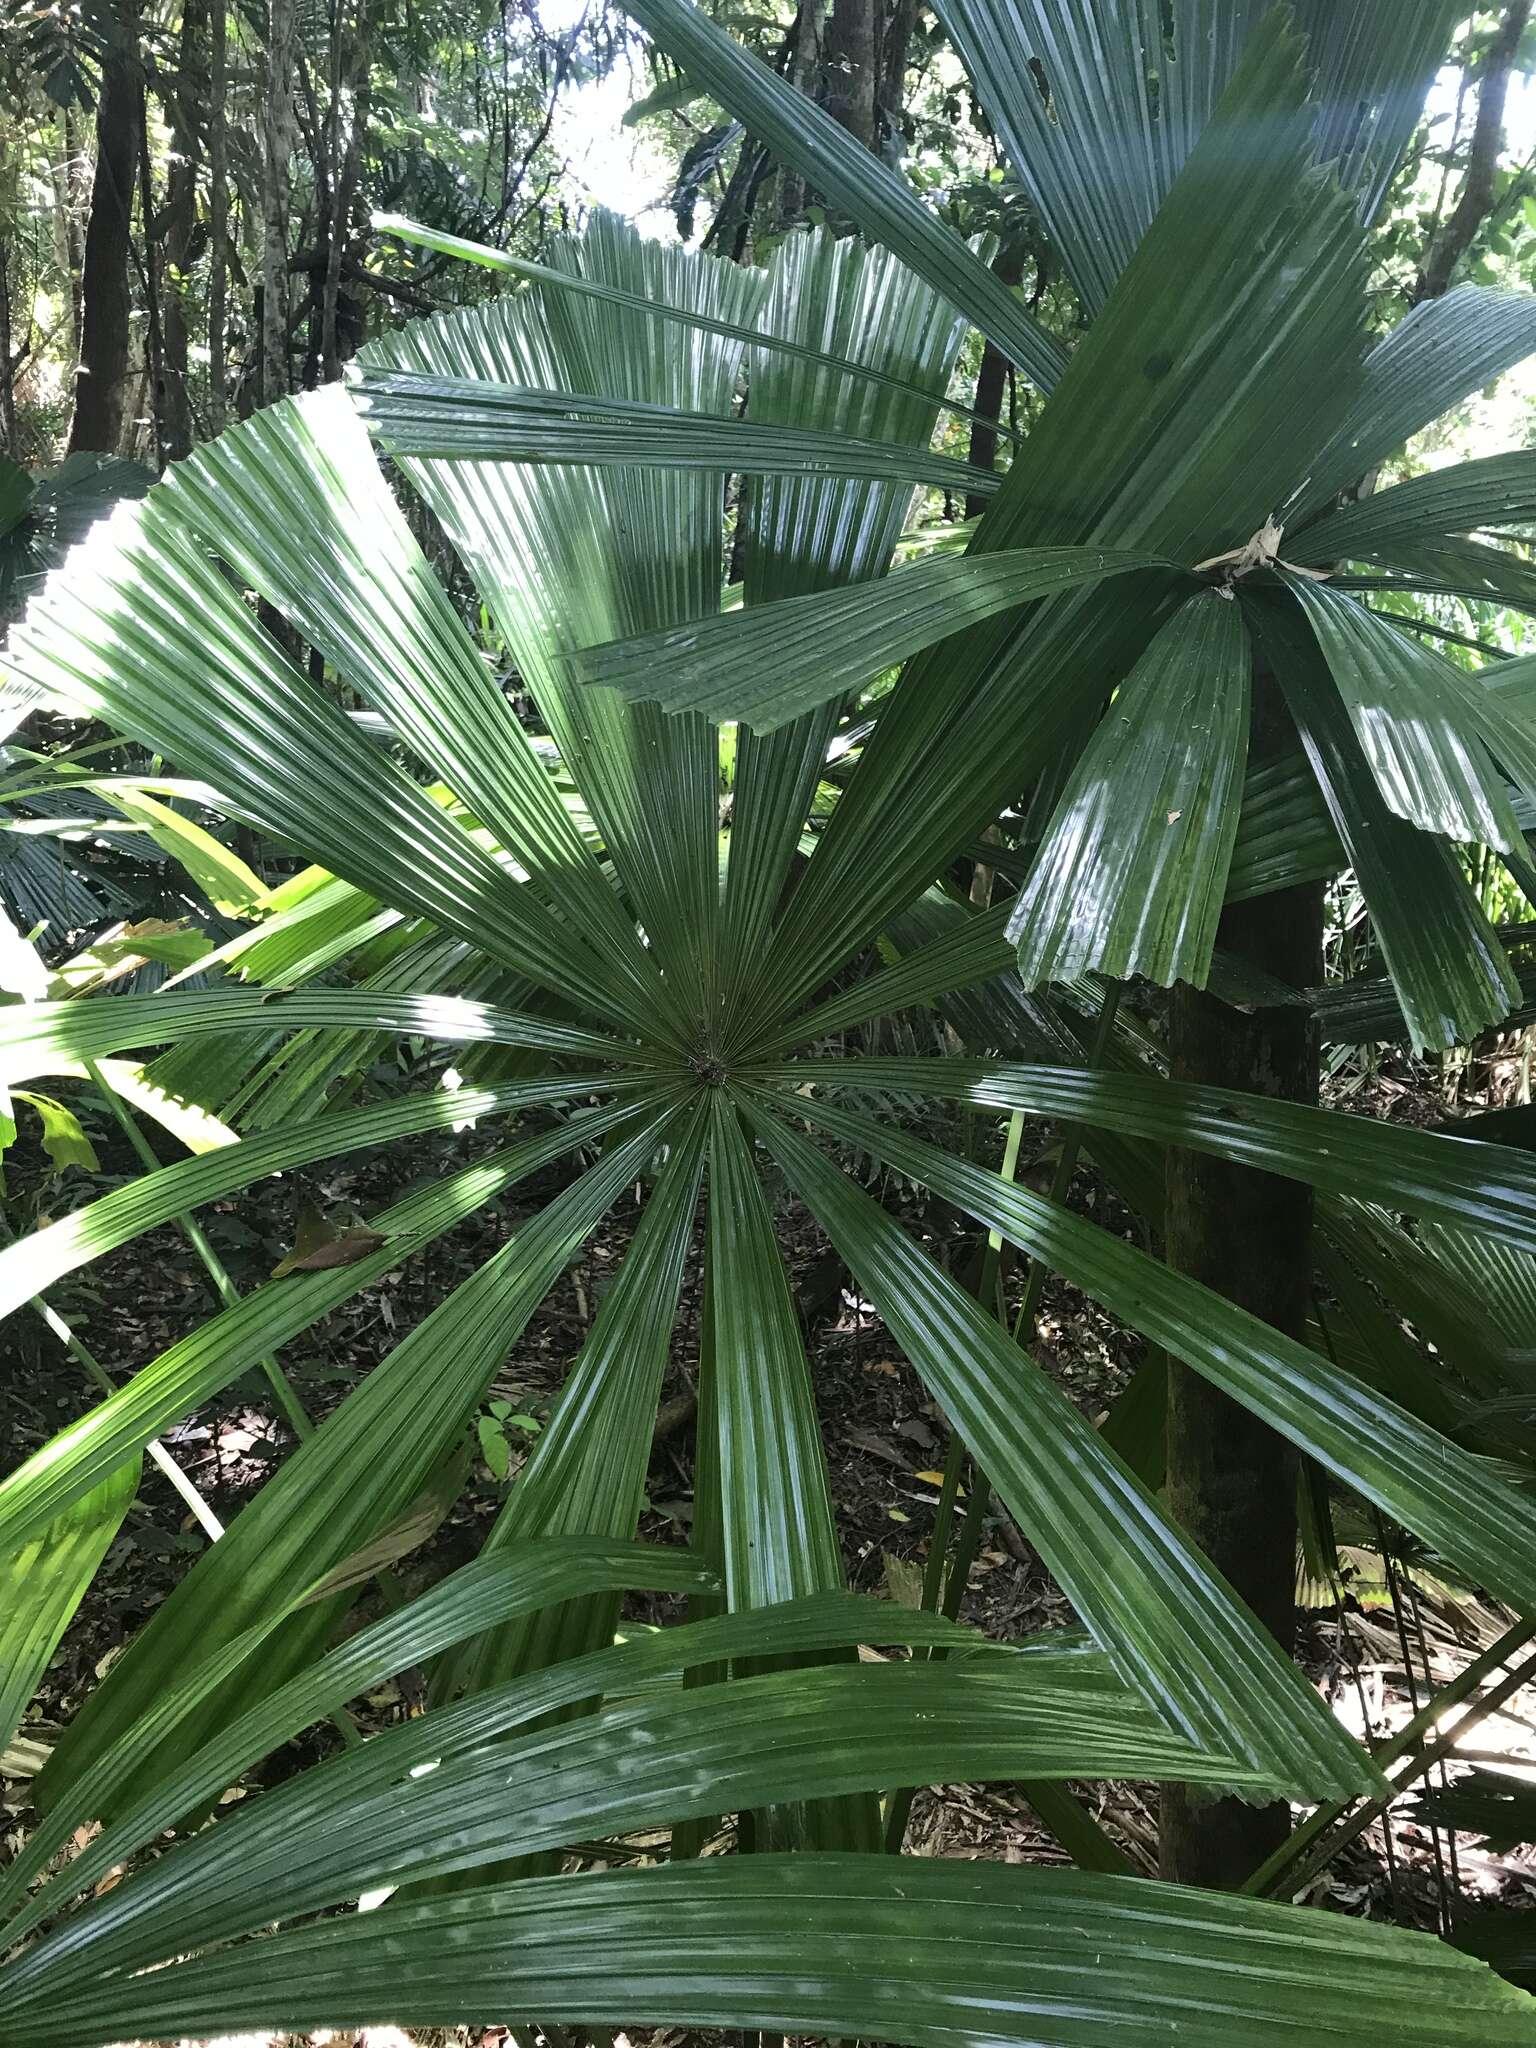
x=771, y=662
x=360, y=1469
x=340, y=1828
x=1452, y=976
x=1131, y=874
x=1415, y=718
x=1420, y=1478
x=802, y=135
x=43, y=1581
x=918, y=1951
x=1173, y=1628
x=1451, y=1181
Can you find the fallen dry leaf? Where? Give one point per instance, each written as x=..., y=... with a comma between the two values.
x=320, y=1246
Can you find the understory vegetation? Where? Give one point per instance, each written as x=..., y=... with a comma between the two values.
x=652, y=893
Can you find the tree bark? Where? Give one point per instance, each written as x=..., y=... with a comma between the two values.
x=11, y=358
x=1231, y=1480
x=1476, y=199
x=67, y=241
x=218, y=213
x=992, y=384
x=890, y=88
x=854, y=63
x=8, y=440
x=149, y=277
x=850, y=67
x=277, y=145
x=192, y=87
x=358, y=75
x=104, y=377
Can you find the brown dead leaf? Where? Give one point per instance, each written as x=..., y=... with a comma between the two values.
x=344, y=1250
x=866, y=1440
x=321, y=1246
x=903, y=1580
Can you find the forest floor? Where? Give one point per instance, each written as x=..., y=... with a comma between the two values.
x=886, y=1443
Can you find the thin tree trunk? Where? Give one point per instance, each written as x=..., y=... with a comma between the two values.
x=850, y=67
x=799, y=71
x=103, y=380
x=992, y=382
x=218, y=213
x=1232, y=1480
x=7, y=362
x=1478, y=190
x=181, y=210
x=991, y=390
x=346, y=185
x=321, y=135
x=67, y=225
x=277, y=145
x=11, y=358
x=890, y=86
x=327, y=157
x=149, y=277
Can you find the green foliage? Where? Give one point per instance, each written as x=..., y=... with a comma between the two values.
x=42, y=517
x=630, y=962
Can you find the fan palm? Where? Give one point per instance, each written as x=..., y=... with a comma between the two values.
x=608, y=952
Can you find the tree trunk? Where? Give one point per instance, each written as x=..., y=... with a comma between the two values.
x=11, y=358
x=850, y=67
x=320, y=135
x=181, y=209
x=104, y=377
x=358, y=77
x=66, y=224
x=890, y=89
x=149, y=277
x=992, y=383
x=854, y=62
x=327, y=158
x=1479, y=187
x=218, y=214
x=8, y=440
x=1231, y=1480
x=277, y=145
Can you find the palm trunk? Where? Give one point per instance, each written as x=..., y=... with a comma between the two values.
x=1231, y=1480
x=104, y=378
